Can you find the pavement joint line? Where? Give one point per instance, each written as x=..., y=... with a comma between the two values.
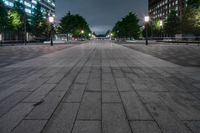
x=124, y=110
x=56, y=106
x=81, y=96
x=70, y=87
x=144, y=105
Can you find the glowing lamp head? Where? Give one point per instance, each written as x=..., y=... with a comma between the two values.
x=51, y=19
x=146, y=19
x=82, y=31
x=161, y=23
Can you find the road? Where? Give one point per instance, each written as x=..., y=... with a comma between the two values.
x=99, y=87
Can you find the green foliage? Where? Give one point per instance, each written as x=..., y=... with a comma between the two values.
x=172, y=25
x=16, y=16
x=74, y=24
x=3, y=16
x=191, y=21
x=128, y=27
x=193, y=3
x=39, y=25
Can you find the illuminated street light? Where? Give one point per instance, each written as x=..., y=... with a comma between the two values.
x=51, y=21
x=161, y=23
x=161, y=26
x=82, y=31
x=146, y=20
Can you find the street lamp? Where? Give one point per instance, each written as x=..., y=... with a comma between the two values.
x=51, y=21
x=146, y=20
x=161, y=26
x=82, y=32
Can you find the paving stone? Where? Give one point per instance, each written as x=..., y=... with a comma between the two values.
x=123, y=84
x=194, y=126
x=56, y=78
x=144, y=127
x=63, y=85
x=63, y=119
x=134, y=107
x=35, y=84
x=14, y=116
x=44, y=110
x=82, y=78
x=94, y=85
x=5, y=93
x=75, y=94
x=118, y=73
x=107, y=78
x=11, y=101
x=30, y=126
x=90, y=108
x=114, y=119
x=185, y=105
x=40, y=93
x=165, y=117
x=87, y=127
x=110, y=97
x=108, y=87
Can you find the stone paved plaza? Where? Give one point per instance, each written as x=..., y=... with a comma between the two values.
x=13, y=54
x=182, y=54
x=99, y=87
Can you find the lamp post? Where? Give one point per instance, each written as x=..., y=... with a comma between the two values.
x=51, y=21
x=146, y=20
x=82, y=32
x=25, y=28
x=161, y=26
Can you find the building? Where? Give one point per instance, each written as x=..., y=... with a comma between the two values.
x=160, y=9
x=48, y=6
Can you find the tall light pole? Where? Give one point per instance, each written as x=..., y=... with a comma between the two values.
x=82, y=32
x=146, y=20
x=161, y=26
x=25, y=28
x=51, y=21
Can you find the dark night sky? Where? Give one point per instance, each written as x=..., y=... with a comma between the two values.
x=101, y=14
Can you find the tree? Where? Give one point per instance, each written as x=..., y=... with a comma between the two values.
x=3, y=16
x=74, y=24
x=172, y=24
x=128, y=27
x=193, y=3
x=191, y=18
x=16, y=16
x=38, y=23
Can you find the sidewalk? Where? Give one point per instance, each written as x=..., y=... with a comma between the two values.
x=99, y=87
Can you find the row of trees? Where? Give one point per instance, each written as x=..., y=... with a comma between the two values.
x=16, y=20
x=75, y=25
x=129, y=27
x=188, y=24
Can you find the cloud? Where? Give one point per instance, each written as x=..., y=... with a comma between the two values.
x=101, y=13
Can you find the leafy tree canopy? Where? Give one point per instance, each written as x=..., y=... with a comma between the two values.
x=3, y=16
x=16, y=16
x=39, y=24
x=172, y=24
x=128, y=27
x=74, y=24
x=193, y=3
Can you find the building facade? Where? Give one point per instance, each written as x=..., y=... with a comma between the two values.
x=48, y=6
x=160, y=9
